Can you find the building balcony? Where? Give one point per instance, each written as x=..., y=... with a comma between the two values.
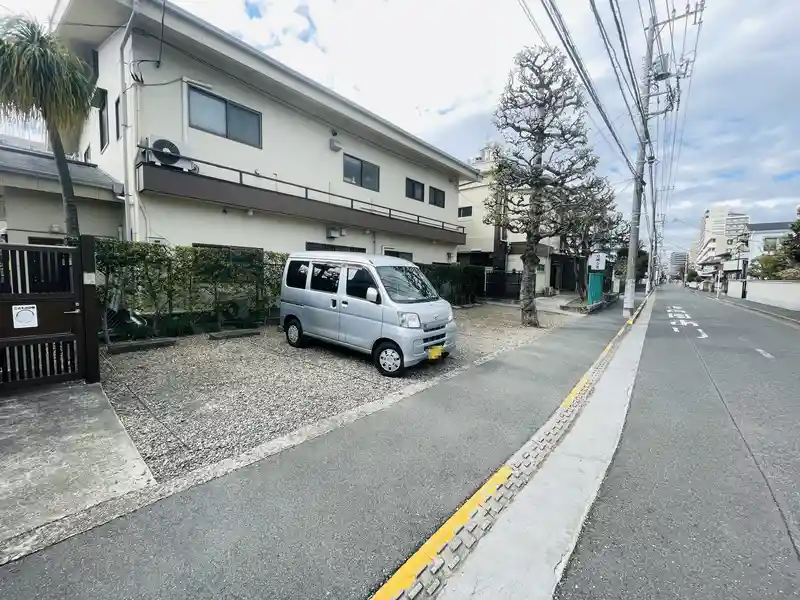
x=228, y=186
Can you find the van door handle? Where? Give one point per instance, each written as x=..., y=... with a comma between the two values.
x=344, y=302
x=333, y=303
x=77, y=311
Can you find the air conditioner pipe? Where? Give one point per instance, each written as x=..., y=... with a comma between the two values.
x=130, y=219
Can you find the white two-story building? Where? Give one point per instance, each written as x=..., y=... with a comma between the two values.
x=218, y=144
x=496, y=247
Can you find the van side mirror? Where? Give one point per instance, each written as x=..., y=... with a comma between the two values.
x=372, y=295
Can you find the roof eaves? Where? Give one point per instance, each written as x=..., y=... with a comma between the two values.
x=777, y=226
x=54, y=176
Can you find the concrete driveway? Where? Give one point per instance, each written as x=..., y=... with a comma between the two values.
x=62, y=449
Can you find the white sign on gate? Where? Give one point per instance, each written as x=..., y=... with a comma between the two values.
x=24, y=316
x=597, y=261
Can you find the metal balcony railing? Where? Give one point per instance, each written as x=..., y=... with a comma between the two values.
x=257, y=180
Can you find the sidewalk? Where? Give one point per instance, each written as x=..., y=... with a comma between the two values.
x=551, y=304
x=523, y=556
x=335, y=516
x=776, y=311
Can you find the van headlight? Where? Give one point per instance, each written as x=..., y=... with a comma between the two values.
x=410, y=320
x=450, y=316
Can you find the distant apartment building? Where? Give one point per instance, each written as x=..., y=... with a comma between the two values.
x=692, y=260
x=735, y=233
x=721, y=234
x=677, y=262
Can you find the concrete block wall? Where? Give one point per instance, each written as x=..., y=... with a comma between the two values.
x=784, y=294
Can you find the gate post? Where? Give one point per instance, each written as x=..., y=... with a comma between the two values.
x=91, y=313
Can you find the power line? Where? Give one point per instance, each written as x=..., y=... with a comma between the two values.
x=564, y=35
x=532, y=20
x=619, y=23
x=615, y=65
x=527, y=10
x=688, y=94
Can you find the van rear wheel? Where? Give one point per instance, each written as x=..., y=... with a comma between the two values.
x=294, y=333
x=388, y=359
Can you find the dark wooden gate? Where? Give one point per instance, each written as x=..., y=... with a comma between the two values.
x=500, y=284
x=43, y=324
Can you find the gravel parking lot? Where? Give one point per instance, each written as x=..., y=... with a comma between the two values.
x=202, y=400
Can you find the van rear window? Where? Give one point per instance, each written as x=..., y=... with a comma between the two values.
x=297, y=274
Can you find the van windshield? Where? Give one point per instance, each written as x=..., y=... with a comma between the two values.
x=406, y=285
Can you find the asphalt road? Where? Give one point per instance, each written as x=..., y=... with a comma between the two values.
x=334, y=516
x=702, y=500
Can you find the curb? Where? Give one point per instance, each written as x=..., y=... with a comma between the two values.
x=758, y=310
x=425, y=572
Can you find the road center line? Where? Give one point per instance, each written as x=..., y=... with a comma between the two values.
x=764, y=353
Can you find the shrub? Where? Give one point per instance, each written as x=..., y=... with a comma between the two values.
x=459, y=284
x=183, y=289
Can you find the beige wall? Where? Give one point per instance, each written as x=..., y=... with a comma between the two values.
x=184, y=222
x=783, y=294
x=31, y=213
x=109, y=158
x=295, y=145
x=479, y=235
x=542, y=277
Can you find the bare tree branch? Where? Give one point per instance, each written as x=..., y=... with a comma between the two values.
x=544, y=176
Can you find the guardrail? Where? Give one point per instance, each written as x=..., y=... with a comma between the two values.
x=256, y=179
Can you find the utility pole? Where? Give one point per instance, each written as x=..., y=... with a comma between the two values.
x=644, y=138
x=638, y=187
x=651, y=263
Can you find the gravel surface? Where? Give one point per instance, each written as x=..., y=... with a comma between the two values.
x=202, y=400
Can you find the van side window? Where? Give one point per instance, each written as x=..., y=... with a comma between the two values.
x=325, y=277
x=297, y=274
x=358, y=282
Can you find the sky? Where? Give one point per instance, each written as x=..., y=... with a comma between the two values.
x=438, y=67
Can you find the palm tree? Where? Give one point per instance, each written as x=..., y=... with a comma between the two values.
x=40, y=78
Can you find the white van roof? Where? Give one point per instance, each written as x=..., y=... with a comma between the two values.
x=378, y=260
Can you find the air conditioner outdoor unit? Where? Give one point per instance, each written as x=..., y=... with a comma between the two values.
x=335, y=232
x=164, y=152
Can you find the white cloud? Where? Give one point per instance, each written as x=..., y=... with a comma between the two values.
x=772, y=203
x=735, y=203
x=682, y=205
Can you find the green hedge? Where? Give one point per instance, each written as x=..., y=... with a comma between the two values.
x=458, y=284
x=184, y=289
x=179, y=290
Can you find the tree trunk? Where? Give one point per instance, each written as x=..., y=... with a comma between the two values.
x=65, y=178
x=106, y=336
x=527, y=291
x=580, y=281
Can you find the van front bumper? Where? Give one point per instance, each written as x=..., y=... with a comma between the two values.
x=415, y=343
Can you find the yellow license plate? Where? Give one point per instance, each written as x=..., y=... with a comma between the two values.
x=435, y=352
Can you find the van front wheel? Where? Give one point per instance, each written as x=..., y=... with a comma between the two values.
x=388, y=359
x=294, y=333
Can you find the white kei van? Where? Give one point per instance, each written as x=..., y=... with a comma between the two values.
x=380, y=305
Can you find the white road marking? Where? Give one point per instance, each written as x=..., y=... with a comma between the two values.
x=702, y=335
x=675, y=328
x=764, y=353
x=685, y=323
